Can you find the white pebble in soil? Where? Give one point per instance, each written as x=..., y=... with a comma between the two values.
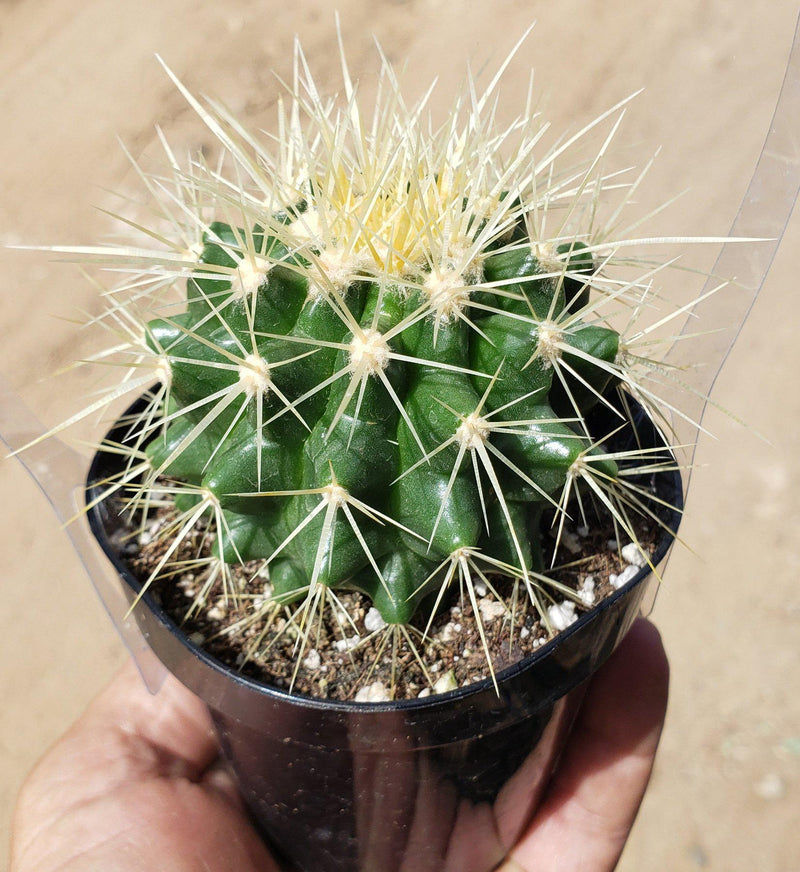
x=373, y=621
x=491, y=610
x=340, y=615
x=445, y=682
x=571, y=542
x=312, y=660
x=633, y=554
x=618, y=581
x=346, y=644
x=586, y=591
x=562, y=615
x=375, y=692
x=449, y=632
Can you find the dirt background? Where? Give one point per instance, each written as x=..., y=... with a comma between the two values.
x=76, y=74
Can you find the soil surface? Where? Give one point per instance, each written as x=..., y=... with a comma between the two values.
x=348, y=651
x=77, y=74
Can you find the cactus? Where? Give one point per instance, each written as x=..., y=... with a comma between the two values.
x=362, y=432
x=380, y=368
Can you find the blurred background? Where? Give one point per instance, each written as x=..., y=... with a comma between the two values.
x=77, y=74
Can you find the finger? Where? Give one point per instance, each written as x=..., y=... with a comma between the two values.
x=133, y=784
x=593, y=800
x=126, y=735
x=173, y=722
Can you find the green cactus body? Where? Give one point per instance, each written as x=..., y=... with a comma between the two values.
x=359, y=435
x=384, y=345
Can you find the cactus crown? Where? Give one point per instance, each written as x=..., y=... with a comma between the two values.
x=388, y=340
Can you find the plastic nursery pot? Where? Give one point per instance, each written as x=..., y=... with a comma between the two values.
x=447, y=782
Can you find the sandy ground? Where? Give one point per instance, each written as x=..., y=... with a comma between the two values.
x=75, y=74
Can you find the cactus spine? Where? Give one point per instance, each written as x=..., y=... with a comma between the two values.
x=377, y=345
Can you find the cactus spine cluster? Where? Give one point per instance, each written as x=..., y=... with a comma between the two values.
x=377, y=344
x=360, y=431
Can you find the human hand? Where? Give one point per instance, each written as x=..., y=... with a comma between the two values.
x=587, y=813
x=135, y=785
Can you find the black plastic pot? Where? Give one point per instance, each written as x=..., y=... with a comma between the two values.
x=427, y=785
